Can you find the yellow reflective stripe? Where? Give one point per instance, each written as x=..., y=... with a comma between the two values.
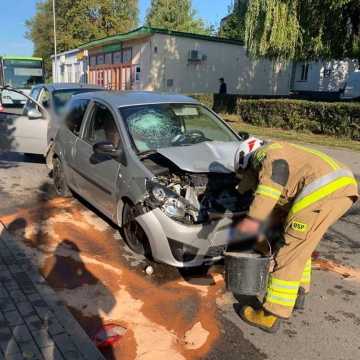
x=321, y=193
x=306, y=276
x=305, y=281
x=284, y=296
x=268, y=191
x=282, y=292
x=282, y=286
x=307, y=268
x=331, y=162
x=281, y=300
x=283, y=283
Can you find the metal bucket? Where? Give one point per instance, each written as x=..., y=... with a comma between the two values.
x=246, y=273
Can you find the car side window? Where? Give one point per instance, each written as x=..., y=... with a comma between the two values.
x=45, y=99
x=75, y=115
x=102, y=127
x=35, y=92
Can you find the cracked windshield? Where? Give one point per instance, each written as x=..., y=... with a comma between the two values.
x=153, y=127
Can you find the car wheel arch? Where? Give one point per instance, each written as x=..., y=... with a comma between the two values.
x=127, y=202
x=119, y=216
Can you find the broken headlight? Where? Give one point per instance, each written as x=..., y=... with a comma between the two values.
x=171, y=203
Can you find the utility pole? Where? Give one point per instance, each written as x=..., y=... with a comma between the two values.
x=55, y=45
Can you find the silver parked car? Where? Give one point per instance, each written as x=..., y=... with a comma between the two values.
x=159, y=165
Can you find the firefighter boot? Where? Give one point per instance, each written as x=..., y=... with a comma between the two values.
x=261, y=319
x=300, y=300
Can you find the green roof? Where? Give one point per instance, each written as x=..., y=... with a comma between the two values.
x=145, y=31
x=8, y=57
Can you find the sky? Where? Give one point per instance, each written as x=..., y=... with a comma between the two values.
x=14, y=14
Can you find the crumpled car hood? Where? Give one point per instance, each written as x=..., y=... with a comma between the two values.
x=209, y=156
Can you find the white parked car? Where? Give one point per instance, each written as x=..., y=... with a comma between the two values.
x=35, y=130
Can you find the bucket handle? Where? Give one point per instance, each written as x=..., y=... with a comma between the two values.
x=269, y=245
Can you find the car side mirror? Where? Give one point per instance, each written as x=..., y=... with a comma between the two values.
x=34, y=114
x=244, y=135
x=106, y=148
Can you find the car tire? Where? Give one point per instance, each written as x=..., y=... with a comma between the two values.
x=60, y=184
x=134, y=234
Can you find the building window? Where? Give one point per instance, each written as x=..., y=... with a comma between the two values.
x=108, y=58
x=127, y=56
x=62, y=72
x=156, y=49
x=138, y=73
x=304, y=72
x=69, y=73
x=117, y=57
x=100, y=59
x=170, y=83
x=92, y=60
x=77, y=72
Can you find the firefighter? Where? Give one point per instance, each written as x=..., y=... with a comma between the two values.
x=311, y=191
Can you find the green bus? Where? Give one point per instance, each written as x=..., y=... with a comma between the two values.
x=20, y=73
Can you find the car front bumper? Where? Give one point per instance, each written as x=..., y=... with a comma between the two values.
x=201, y=244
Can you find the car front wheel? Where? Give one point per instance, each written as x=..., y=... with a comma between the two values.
x=135, y=236
x=61, y=186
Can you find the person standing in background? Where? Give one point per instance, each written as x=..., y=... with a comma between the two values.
x=223, y=87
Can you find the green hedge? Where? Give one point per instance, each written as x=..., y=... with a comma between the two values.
x=330, y=118
x=206, y=99
x=340, y=119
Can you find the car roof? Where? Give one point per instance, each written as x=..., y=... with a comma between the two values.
x=68, y=86
x=129, y=98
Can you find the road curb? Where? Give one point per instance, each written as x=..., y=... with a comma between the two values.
x=71, y=340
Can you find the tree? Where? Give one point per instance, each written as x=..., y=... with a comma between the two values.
x=234, y=25
x=303, y=29
x=177, y=15
x=78, y=22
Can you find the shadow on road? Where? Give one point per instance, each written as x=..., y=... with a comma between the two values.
x=10, y=159
x=69, y=272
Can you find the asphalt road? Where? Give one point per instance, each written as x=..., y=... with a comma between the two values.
x=172, y=314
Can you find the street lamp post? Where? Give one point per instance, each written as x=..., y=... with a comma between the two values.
x=55, y=45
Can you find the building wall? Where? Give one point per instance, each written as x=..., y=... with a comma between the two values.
x=141, y=51
x=171, y=69
x=131, y=56
x=322, y=76
x=70, y=67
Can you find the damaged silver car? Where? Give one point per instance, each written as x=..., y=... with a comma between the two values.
x=160, y=166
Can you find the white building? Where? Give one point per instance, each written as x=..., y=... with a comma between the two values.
x=156, y=59
x=163, y=60
x=71, y=67
x=322, y=76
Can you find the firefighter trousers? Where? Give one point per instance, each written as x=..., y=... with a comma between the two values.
x=302, y=234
